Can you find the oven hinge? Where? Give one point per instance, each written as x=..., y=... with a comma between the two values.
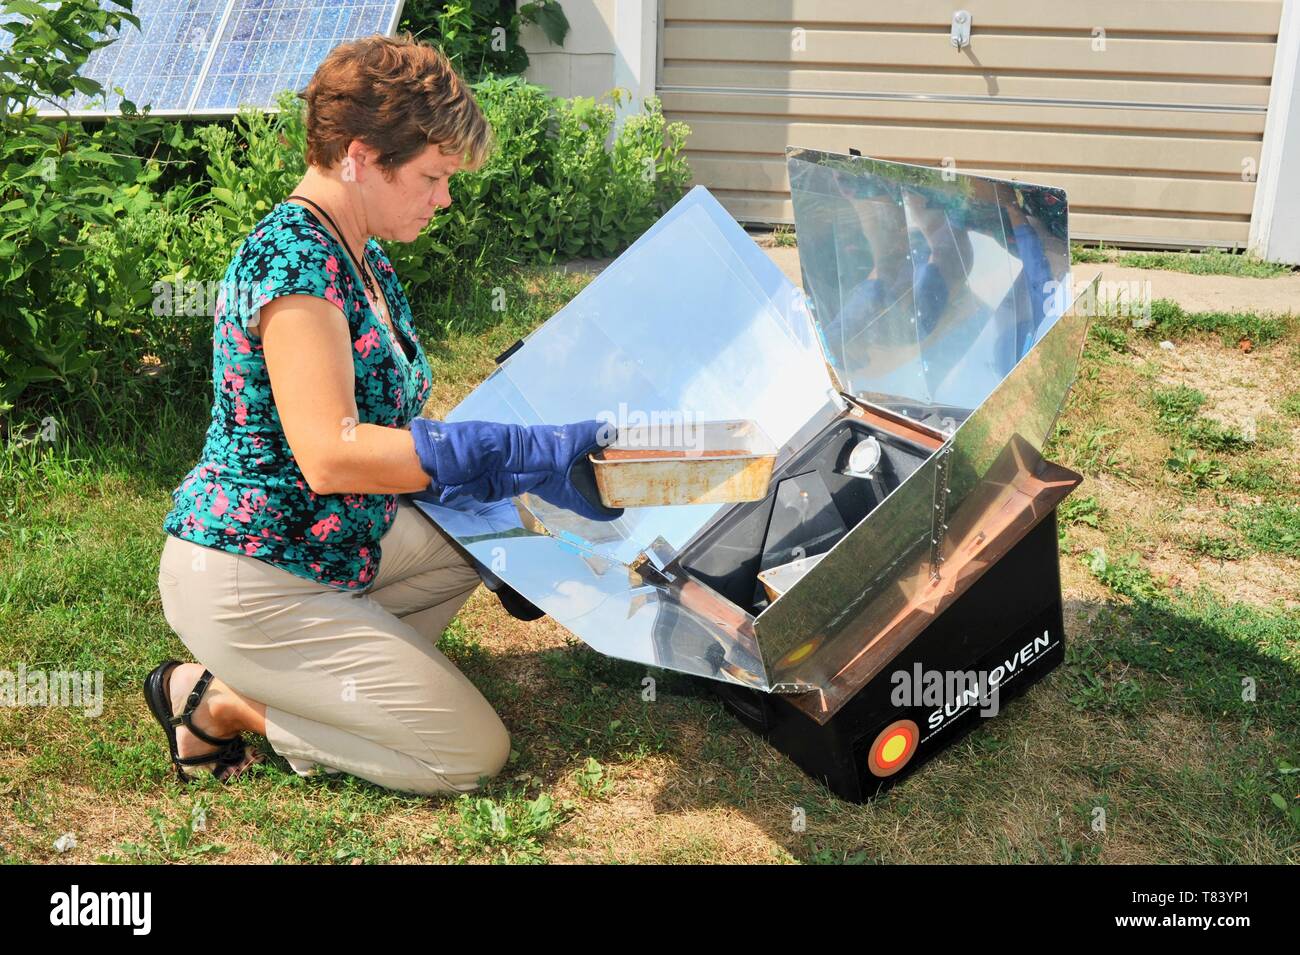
x=939, y=513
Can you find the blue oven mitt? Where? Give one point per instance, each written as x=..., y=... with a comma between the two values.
x=488, y=461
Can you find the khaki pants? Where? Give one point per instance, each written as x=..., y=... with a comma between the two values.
x=352, y=682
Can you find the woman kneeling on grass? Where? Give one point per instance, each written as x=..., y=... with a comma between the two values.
x=293, y=570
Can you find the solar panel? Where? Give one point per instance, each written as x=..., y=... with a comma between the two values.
x=210, y=57
x=271, y=46
x=160, y=63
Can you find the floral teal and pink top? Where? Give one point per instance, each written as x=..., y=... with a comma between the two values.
x=246, y=494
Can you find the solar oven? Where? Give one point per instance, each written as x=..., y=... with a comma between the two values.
x=908, y=529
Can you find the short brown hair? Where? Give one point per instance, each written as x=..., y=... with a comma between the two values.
x=396, y=95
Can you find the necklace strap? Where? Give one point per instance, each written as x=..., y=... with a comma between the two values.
x=365, y=275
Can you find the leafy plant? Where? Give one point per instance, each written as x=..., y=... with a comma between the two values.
x=178, y=842
x=783, y=237
x=1178, y=405
x=481, y=37
x=255, y=163
x=57, y=179
x=1080, y=510
x=1125, y=574
x=593, y=781
x=510, y=831
x=1219, y=548
x=1112, y=338
x=1290, y=807
x=553, y=187
x=111, y=233
x=1196, y=468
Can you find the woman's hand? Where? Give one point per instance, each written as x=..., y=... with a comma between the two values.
x=308, y=352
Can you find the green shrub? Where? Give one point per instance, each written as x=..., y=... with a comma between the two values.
x=101, y=223
x=56, y=180
x=552, y=188
x=559, y=183
x=481, y=37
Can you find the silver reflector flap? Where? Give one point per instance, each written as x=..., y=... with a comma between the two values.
x=928, y=286
x=692, y=323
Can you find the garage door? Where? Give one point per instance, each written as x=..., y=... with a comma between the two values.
x=1149, y=113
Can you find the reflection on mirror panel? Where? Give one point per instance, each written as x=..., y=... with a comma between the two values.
x=927, y=286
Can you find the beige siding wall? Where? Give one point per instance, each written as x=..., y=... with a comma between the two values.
x=1150, y=113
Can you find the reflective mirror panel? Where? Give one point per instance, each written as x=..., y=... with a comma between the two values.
x=692, y=323
x=681, y=328
x=927, y=285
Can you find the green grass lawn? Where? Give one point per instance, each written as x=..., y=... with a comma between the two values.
x=1170, y=734
x=1208, y=262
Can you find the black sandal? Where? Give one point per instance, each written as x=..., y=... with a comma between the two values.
x=228, y=760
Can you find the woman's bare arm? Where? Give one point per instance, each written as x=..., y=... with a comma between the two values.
x=308, y=353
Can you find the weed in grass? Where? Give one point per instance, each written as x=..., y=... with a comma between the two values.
x=1271, y=433
x=1255, y=476
x=1290, y=405
x=826, y=855
x=783, y=237
x=1288, y=801
x=1177, y=406
x=1170, y=321
x=1124, y=574
x=1211, y=435
x=1084, y=254
x=178, y=841
x=1080, y=510
x=1177, y=411
x=1121, y=695
x=1093, y=452
x=507, y=830
x=1039, y=852
x=593, y=779
x=1111, y=337
x=1198, y=470
x=1220, y=548
x=461, y=647
x=1273, y=528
